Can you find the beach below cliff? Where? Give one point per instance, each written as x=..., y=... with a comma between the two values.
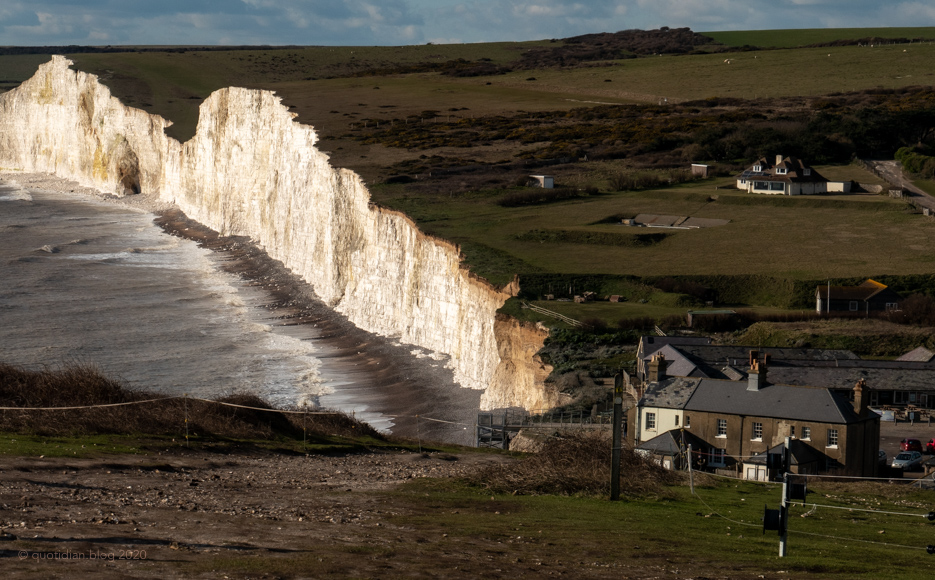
x=410, y=388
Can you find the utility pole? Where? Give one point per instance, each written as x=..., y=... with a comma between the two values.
x=784, y=507
x=691, y=469
x=615, y=452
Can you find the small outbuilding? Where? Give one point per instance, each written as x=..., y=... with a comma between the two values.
x=700, y=170
x=544, y=181
x=869, y=296
x=670, y=449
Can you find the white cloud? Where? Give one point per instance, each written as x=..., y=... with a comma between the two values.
x=415, y=21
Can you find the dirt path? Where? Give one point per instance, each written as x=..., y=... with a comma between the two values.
x=892, y=172
x=183, y=513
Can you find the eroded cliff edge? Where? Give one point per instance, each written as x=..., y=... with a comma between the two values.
x=251, y=170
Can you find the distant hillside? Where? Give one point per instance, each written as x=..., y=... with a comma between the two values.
x=797, y=38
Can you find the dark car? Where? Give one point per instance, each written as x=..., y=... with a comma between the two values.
x=930, y=446
x=910, y=445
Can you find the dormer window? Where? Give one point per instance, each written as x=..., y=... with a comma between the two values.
x=780, y=171
x=758, y=167
x=806, y=172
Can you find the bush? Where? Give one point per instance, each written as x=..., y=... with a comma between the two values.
x=574, y=464
x=534, y=196
x=86, y=386
x=593, y=326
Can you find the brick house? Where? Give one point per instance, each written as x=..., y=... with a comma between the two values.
x=738, y=420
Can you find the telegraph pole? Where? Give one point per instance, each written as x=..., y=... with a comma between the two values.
x=615, y=455
x=784, y=507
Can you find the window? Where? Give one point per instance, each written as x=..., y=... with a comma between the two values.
x=758, y=167
x=777, y=186
x=806, y=172
x=758, y=431
x=650, y=421
x=722, y=427
x=688, y=421
x=717, y=456
x=807, y=433
x=853, y=306
x=892, y=306
x=792, y=431
x=780, y=170
x=832, y=437
x=676, y=420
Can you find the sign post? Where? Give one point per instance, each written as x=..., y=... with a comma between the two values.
x=784, y=506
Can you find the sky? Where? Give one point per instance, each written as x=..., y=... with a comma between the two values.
x=406, y=22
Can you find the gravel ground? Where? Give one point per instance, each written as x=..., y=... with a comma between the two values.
x=158, y=515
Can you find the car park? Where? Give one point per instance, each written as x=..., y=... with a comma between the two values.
x=908, y=460
x=910, y=445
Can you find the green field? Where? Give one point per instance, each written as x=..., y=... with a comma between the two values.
x=716, y=533
x=499, y=122
x=793, y=38
x=801, y=238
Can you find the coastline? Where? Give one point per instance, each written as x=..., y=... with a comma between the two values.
x=402, y=382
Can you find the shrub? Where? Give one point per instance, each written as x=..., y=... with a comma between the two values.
x=536, y=196
x=86, y=386
x=574, y=464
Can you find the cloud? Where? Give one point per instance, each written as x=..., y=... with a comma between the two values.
x=376, y=22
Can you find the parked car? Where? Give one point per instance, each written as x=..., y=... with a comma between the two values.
x=930, y=446
x=881, y=458
x=908, y=460
x=910, y=445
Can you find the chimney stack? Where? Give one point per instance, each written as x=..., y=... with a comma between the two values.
x=657, y=368
x=778, y=159
x=860, y=398
x=756, y=374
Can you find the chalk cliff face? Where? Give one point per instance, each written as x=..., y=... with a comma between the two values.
x=251, y=170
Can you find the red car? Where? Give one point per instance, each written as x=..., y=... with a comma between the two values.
x=930, y=446
x=910, y=445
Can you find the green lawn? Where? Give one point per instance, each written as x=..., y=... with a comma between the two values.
x=805, y=237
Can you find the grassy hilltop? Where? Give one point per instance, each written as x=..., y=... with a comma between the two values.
x=450, y=133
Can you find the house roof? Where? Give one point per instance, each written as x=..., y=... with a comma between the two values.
x=671, y=393
x=863, y=291
x=729, y=362
x=673, y=442
x=801, y=453
x=885, y=375
x=677, y=364
x=651, y=344
x=793, y=170
x=919, y=354
x=778, y=401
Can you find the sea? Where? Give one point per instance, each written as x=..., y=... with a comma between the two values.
x=91, y=282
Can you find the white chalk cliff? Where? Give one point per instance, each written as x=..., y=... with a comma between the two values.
x=251, y=170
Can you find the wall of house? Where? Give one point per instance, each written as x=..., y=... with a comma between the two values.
x=838, y=187
x=666, y=420
x=856, y=449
